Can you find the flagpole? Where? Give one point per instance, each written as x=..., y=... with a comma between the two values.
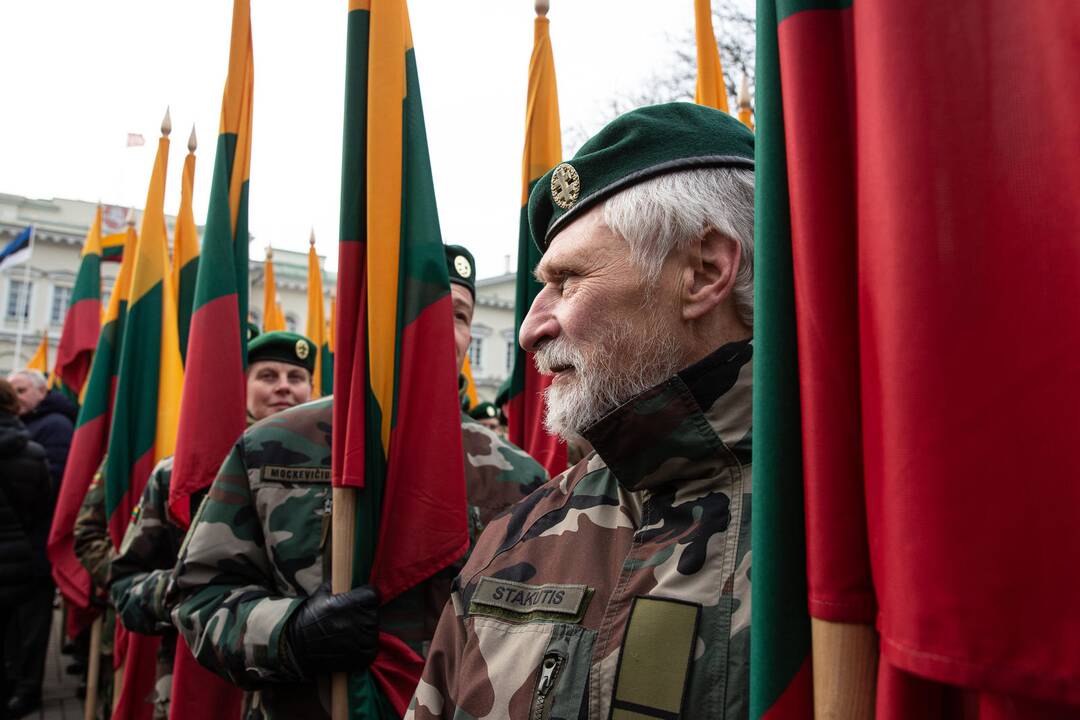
x=25, y=309
x=343, y=545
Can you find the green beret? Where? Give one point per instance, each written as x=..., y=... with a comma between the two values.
x=282, y=346
x=484, y=411
x=632, y=148
x=461, y=267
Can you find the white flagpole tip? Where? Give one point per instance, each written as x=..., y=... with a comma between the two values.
x=166, y=123
x=744, y=92
x=311, y=239
x=542, y=7
x=192, y=143
x=269, y=252
x=130, y=220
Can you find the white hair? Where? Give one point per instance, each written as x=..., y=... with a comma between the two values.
x=669, y=211
x=36, y=376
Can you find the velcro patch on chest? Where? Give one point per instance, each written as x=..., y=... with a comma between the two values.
x=520, y=602
x=280, y=473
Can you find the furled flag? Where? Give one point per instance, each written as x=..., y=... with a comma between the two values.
x=213, y=406
x=185, y=259
x=710, y=89
x=213, y=409
x=543, y=151
x=928, y=265
x=19, y=249
x=82, y=324
x=273, y=319
x=472, y=398
x=135, y=140
x=397, y=425
x=143, y=430
x=88, y=448
x=316, y=324
x=40, y=360
x=112, y=247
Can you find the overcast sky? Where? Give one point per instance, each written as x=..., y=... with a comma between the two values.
x=78, y=77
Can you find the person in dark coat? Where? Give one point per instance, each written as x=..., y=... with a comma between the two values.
x=49, y=416
x=25, y=514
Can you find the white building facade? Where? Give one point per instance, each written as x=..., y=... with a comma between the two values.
x=34, y=296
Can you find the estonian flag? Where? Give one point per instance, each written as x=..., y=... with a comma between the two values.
x=18, y=250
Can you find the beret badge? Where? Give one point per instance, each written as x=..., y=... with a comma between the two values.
x=463, y=266
x=565, y=186
x=302, y=349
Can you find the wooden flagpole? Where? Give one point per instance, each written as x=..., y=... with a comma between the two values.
x=342, y=550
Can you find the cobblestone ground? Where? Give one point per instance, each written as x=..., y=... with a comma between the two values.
x=58, y=700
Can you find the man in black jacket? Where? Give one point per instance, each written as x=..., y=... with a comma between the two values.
x=25, y=513
x=49, y=416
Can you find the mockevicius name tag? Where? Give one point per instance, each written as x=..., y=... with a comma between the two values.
x=279, y=473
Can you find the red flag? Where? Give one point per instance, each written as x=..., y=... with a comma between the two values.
x=936, y=268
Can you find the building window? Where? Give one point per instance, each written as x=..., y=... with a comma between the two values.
x=476, y=354
x=510, y=347
x=291, y=323
x=61, y=298
x=18, y=299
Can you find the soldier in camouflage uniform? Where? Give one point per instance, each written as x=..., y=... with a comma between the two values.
x=621, y=589
x=280, y=366
x=94, y=549
x=258, y=554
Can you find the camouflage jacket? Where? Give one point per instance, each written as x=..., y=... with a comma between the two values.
x=621, y=588
x=94, y=549
x=139, y=576
x=260, y=544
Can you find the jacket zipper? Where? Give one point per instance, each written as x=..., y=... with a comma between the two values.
x=549, y=671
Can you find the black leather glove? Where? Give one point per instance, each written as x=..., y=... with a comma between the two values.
x=334, y=633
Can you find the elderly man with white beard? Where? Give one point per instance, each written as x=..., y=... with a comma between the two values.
x=621, y=588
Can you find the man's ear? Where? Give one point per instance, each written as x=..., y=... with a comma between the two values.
x=712, y=263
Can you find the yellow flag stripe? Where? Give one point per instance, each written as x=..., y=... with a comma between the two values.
x=543, y=140
x=711, y=90
x=237, y=101
x=40, y=360
x=186, y=236
x=386, y=92
x=122, y=284
x=150, y=262
x=316, y=324
x=92, y=246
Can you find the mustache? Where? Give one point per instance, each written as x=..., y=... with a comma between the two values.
x=554, y=354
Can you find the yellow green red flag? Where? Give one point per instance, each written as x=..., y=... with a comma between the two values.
x=711, y=89
x=185, y=259
x=273, y=319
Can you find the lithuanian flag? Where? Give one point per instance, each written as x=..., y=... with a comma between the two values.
x=543, y=151
x=89, y=443
x=213, y=409
x=185, y=259
x=710, y=89
x=397, y=426
x=316, y=325
x=272, y=316
x=82, y=324
x=112, y=247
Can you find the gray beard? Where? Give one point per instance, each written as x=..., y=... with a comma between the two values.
x=624, y=362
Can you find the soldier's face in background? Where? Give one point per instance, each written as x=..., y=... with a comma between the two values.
x=597, y=326
x=463, y=312
x=30, y=393
x=275, y=386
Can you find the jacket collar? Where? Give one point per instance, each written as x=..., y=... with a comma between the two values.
x=687, y=427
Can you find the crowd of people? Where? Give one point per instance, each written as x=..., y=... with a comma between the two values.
x=644, y=321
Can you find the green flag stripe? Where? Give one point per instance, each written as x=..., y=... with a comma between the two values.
x=780, y=642
x=787, y=8
x=88, y=280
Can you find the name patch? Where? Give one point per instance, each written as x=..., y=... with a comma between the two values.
x=520, y=602
x=296, y=474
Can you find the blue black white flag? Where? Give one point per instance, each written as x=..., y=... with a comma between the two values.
x=18, y=250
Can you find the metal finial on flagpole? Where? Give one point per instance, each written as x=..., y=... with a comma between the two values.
x=130, y=219
x=269, y=252
x=542, y=7
x=312, y=238
x=166, y=123
x=192, y=143
x=744, y=93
